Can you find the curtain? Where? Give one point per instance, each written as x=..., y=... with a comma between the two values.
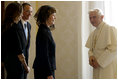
x=111, y=13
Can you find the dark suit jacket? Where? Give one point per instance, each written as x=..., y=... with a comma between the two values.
x=45, y=51
x=11, y=48
x=25, y=43
x=14, y=43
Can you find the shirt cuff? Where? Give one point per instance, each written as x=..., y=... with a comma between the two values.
x=90, y=53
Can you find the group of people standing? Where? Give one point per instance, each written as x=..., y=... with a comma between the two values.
x=15, y=43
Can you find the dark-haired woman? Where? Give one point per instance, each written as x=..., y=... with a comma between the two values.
x=11, y=47
x=44, y=63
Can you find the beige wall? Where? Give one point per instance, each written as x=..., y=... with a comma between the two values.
x=33, y=39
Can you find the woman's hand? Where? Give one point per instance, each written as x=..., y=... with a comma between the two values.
x=50, y=77
x=27, y=70
x=22, y=59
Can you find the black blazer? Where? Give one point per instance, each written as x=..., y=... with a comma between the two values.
x=25, y=43
x=45, y=50
x=10, y=49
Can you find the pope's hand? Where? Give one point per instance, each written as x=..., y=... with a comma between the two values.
x=95, y=63
x=91, y=60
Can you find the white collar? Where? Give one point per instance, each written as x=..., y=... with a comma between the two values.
x=100, y=25
x=23, y=22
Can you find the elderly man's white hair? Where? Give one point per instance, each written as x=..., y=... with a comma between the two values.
x=98, y=11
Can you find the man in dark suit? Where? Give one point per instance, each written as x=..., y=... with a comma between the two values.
x=24, y=31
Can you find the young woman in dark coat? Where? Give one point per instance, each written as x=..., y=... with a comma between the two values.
x=11, y=48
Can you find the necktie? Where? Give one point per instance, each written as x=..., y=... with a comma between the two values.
x=26, y=31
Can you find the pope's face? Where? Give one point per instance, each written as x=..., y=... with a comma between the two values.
x=95, y=19
x=51, y=19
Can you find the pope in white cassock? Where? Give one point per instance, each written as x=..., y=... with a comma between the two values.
x=102, y=44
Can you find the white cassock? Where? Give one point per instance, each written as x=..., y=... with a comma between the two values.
x=102, y=44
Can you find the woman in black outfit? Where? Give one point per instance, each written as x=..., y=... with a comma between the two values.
x=44, y=63
x=11, y=47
